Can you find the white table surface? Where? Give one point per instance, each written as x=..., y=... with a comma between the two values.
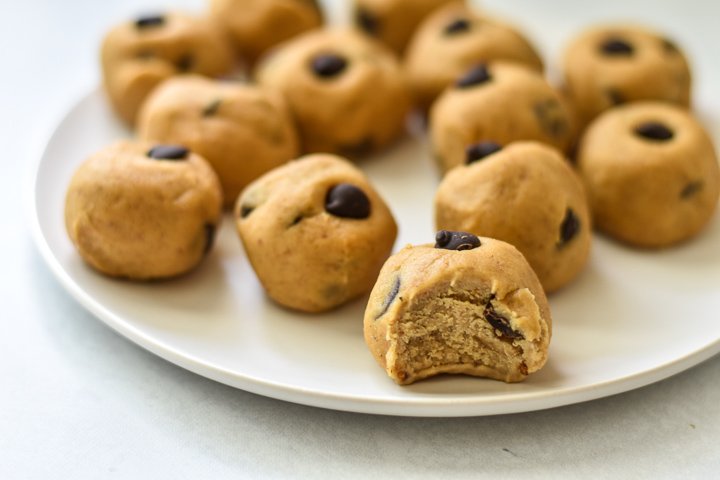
x=79, y=401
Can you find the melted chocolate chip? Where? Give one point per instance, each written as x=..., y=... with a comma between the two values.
x=616, y=47
x=459, y=25
x=328, y=65
x=246, y=210
x=185, y=63
x=478, y=75
x=347, y=201
x=209, y=237
x=500, y=323
x=478, y=151
x=168, y=152
x=569, y=227
x=148, y=21
x=448, y=240
x=654, y=131
x=211, y=108
x=691, y=189
x=368, y=22
x=390, y=298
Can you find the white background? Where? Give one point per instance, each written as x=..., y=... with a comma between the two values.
x=78, y=401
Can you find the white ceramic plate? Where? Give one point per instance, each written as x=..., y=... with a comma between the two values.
x=631, y=319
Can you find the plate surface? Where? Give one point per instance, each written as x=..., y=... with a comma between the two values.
x=631, y=319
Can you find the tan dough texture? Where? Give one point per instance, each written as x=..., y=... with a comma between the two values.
x=521, y=195
x=649, y=193
x=141, y=218
x=515, y=104
x=595, y=81
x=436, y=58
x=258, y=25
x=360, y=109
x=135, y=60
x=306, y=258
x=428, y=314
x=393, y=22
x=241, y=129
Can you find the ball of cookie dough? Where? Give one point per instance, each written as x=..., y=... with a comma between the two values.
x=241, y=129
x=651, y=174
x=346, y=91
x=393, y=22
x=257, y=25
x=611, y=65
x=468, y=305
x=525, y=194
x=143, y=211
x=500, y=103
x=315, y=231
x=455, y=39
x=138, y=55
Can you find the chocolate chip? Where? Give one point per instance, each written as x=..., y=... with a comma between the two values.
x=448, y=240
x=368, y=22
x=477, y=75
x=390, y=298
x=551, y=117
x=185, y=63
x=246, y=210
x=459, y=25
x=296, y=220
x=500, y=323
x=328, y=65
x=478, y=151
x=691, y=189
x=211, y=108
x=209, y=237
x=347, y=201
x=168, y=152
x=569, y=227
x=147, y=21
x=654, y=131
x=617, y=47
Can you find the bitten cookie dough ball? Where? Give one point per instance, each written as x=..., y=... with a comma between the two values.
x=315, y=231
x=393, y=22
x=242, y=130
x=610, y=65
x=651, y=174
x=455, y=39
x=527, y=195
x=257, y=25
x=346, y=92
x=500, y=103
x=468, y=305
x=138, y=55
x=143, y=211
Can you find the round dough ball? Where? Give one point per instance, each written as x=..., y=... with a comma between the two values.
x=346, y=92
x=241, y=129
x=257, y=25
x=454, y=39
x=500, y=103
x=615, y=64
x=651, y=174
x=143, y=211
x=472, y=306
x=137, y=56
x=315, y=231
x=527, y=195
x=393, y=22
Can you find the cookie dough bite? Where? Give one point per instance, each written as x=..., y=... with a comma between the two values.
x=315, y=231
x=143, y=211
x=453, y=40
x=257, y=25
x=498, y=102
x=243, y=130
x=615, y=64
x=651, y=174
x=138, y=55
x=346, y=91
x=468, y=305
x=525, y=194
x=393, y=21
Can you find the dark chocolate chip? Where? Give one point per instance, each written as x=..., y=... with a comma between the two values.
x=476, y=76
x=185, y=63
x=246, y=210
x=500, y=323
x=209, y=237
x=168, y=152
x=328, y=65
x=390, y=298
x=617, y=47
x=654, y=131
x=368, y=22
x=478, y=151
x=211, y=108
x=615, y=97
x=296, y=220
x=147, y=21
x=569, y=227
x=551, y=117
x=347, y=201
x=459, y=25
x=448, y=240
x=691, y=189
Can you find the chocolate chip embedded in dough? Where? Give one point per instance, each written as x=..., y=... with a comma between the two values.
x=168, y=152
x=246, y=210
x=459, y=25
x=569, y=228
x=390, y=298
x=480, y=150
x=476, y=76
x=149, y=21
x=500, y=323
x=328, y=65
x=347, y=201
x=212, y=108
x=617, y=47
x=654, y=131
x=691, y=189
x=449, y=240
